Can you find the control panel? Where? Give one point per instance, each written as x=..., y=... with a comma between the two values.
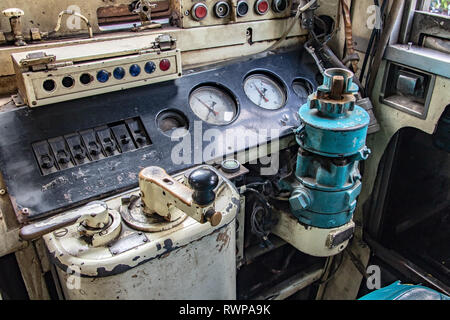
x=56, y=157
x=210, y=12
x=61, y=74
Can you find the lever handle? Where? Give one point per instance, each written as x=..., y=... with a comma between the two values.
x=94, y=214
x=161, y=193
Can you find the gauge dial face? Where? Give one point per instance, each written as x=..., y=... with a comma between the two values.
x=213, y=105
x=264, y=92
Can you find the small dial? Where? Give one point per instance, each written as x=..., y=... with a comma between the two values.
x=264, y=92
x=213, y=105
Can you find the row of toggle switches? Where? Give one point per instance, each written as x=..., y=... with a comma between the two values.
x=89, y=145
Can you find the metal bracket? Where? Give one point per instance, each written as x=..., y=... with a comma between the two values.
x=37, y=61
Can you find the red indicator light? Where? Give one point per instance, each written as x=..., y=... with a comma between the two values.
x=164, y=64
x=199, y=11
x=262, y=6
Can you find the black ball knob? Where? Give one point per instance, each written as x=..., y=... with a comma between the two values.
x=203, y=181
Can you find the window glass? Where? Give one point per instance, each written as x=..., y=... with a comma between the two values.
x=439, y=7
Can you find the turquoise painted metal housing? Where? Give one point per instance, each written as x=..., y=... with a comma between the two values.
x=332, y=141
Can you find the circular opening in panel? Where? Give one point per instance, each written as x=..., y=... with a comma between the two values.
x=68, y=82
x=172, y=123
x=49, y=85
x=302, y=88
x=86, y=78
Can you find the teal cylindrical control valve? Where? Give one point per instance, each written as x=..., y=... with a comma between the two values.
x=332, y=140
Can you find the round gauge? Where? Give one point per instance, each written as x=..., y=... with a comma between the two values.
x=264, y=92
x=302, y=88
x=213, y=105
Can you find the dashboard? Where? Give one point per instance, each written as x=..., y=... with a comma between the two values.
x=62, y=155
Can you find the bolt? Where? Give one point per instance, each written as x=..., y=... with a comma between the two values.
x=2, y=192
x=25, y=211
x=300, y=199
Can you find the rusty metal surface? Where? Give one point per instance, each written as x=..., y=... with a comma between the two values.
x=121, y=13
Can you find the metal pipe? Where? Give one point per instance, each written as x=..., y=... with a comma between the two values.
x=256, y=251
x=394, y=14
x=73, y=13
x=288, y=287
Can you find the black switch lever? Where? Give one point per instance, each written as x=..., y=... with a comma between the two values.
x=203, y=181
x=62, y=156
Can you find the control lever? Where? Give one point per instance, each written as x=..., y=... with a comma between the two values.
x=97, y=224
x=169, y=198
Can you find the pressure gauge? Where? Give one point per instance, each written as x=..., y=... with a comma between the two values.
x=213, y=105
x=265, y=92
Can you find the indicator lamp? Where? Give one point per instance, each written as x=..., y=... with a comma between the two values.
x=199, y=11
x=150, y=67
x=102, y=76
x=164, y=64
x=230, y=165
x=119, y=73
x=261, y=7
x=242, y=8
x=222, y=9
x=135, y=70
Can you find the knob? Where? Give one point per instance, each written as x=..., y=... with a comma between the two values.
x=203, y=181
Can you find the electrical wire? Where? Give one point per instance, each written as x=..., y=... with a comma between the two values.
x=300, y=10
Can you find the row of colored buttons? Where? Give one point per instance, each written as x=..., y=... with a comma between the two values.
x=49, y=85
x=222, y=8
x=134, y=70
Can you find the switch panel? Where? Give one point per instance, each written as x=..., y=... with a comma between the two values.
x=199, y=13
x=67, y=73
x=89, y=145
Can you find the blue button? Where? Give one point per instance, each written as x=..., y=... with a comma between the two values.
x=135, y=70
x=150, y=67
x=119, y=73
x=102, y=76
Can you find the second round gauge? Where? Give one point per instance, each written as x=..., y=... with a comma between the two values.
x=264, y=91
x=213, y=105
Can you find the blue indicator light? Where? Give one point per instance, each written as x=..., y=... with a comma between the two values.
x=135, y=70
x=150, y=67
x=119, y=73
x=102, y=76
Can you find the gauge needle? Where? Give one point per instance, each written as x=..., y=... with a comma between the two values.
x=262, y=94
x=209, y=108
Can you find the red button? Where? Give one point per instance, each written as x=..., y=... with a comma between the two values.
x=200, y=11
x=164, y=64
x=263, y=6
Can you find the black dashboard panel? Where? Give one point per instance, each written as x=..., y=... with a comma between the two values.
x=45, y=194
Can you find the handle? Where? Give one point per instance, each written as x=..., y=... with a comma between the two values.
x=161, y=193
x=93, y=215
